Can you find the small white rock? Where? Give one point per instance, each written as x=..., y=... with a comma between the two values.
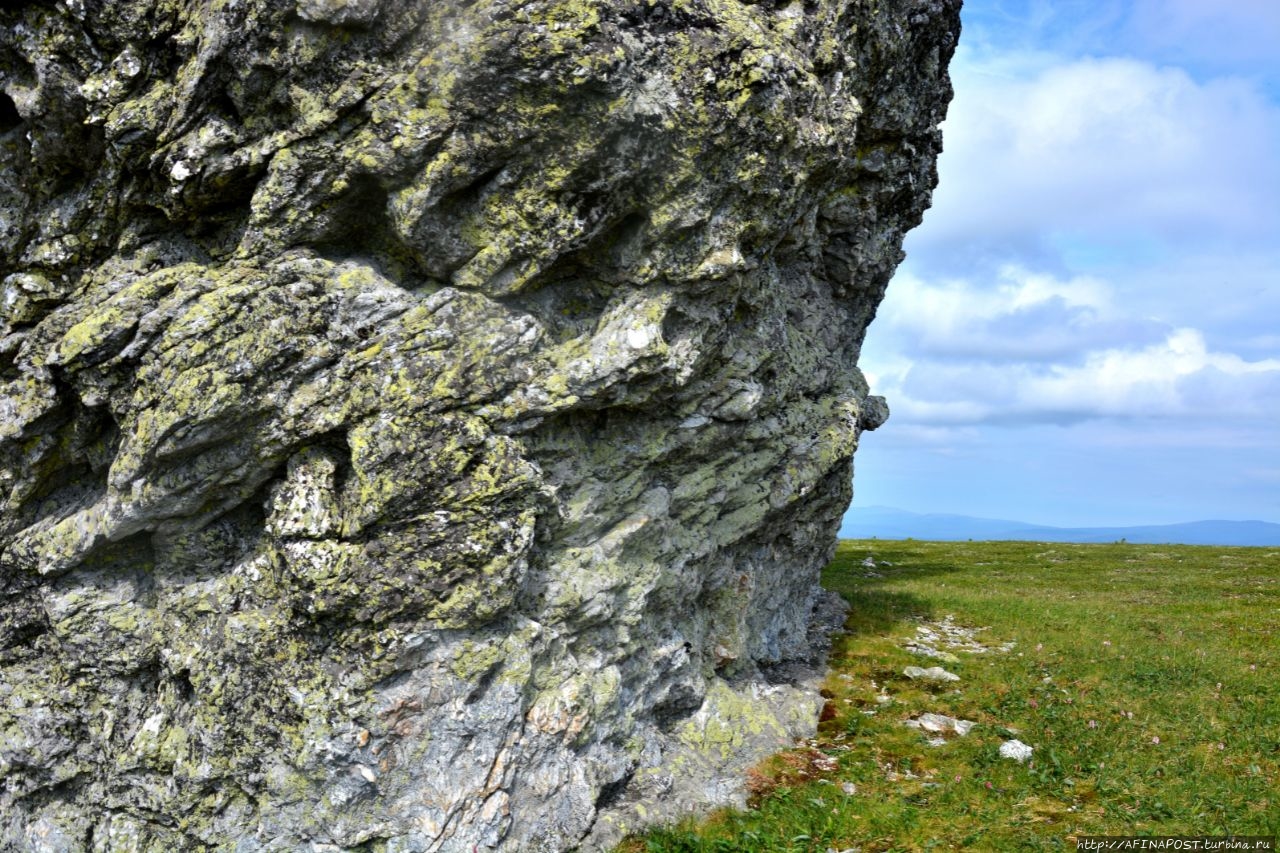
x=1015, y=750
x=940, y=724
x=933, y=673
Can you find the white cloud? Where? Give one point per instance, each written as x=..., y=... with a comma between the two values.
x=1151, y=381
x=1167, y=184
x=1018, y=314
x=1085, y=329
x=1178, y=377
x=1036, y=146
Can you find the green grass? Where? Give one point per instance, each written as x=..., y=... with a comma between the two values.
x=1146, y=677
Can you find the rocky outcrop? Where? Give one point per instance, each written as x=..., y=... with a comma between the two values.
x=422, y=423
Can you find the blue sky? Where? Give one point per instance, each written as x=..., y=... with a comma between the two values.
x=1086, y=330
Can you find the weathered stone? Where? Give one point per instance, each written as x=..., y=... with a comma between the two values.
x=1016, y=750
x=933, y=673
x=940, y=724
x=422, y=424
x=933, y=639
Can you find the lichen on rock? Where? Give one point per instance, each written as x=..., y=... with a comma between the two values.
x=422, y=424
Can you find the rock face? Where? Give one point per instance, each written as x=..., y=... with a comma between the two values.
x=422, y=423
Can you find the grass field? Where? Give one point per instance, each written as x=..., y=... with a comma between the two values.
x=1147, y=679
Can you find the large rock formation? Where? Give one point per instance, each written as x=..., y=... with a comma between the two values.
x=422, y=423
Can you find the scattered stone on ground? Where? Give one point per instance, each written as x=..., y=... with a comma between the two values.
x=926, y=651
x=892, y=775
x=1016, y=750
x=933, y=673
x=940, y=640
x=871, y=565
x=940, y=724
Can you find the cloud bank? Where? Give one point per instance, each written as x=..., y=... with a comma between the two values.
x=1097, y=146
x=1094, y=299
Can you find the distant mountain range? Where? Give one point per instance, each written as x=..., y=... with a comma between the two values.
x=880, y=522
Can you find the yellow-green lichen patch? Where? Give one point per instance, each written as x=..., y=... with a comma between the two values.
x=727, y=721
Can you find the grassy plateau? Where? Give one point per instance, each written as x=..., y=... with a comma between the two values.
x=1145, y=677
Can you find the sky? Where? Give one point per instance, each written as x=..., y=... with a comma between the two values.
x=1086, y=331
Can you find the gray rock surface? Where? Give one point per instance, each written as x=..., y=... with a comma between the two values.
x=1016, y=750
x=422, y=424
x=933, y=673
x=940, y=724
